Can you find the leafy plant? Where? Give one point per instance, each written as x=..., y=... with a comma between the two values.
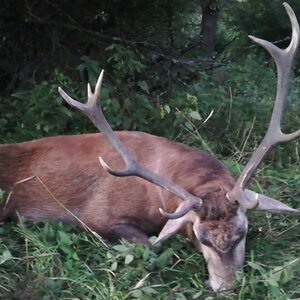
x=52, y=260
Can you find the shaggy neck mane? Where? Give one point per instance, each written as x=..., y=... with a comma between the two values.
x=216, y=206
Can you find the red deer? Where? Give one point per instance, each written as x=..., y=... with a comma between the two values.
x=180, y=189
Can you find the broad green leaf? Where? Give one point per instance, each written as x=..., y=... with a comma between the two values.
x=164, y=259
x=256, y=266
x=120, y=248
x=167, y=108
x=195, y=115
x=188, y=125
x=114, y=266
x=149, y=290
x=6, y=255
x=137, y=294
x=128, y=259
x=64, y=238
x=180, y=296
x=75, y=256
x=143, y=85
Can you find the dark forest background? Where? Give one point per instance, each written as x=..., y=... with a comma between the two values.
x=169, y=65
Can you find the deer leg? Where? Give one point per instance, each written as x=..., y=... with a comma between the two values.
x=130, y=233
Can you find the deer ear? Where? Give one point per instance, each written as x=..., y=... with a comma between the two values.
x=268, y=203
x=174, y=225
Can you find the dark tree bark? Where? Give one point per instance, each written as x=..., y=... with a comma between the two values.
x=210, y=13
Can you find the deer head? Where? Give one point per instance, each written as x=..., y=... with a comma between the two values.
x=222, y=240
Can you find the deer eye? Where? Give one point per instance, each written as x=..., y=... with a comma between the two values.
x=205, y=240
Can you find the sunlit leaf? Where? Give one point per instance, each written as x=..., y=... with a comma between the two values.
x=195, y=115
x=128, y=259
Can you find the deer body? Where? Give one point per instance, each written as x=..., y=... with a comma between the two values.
x=118, y=207
x=70, y=168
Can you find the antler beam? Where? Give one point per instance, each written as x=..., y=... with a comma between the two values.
x=132, y=167
x=274, y=136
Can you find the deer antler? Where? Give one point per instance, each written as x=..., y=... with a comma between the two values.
x=132, y=167
x=274, y=136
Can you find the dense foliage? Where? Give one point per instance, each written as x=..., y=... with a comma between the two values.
x=53, y=261
x=159, y=78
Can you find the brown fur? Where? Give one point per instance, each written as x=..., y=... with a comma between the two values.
x=70, y=168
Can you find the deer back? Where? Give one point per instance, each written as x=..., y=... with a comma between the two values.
x=69, y=167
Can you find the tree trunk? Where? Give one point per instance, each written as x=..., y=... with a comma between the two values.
x=210, y=13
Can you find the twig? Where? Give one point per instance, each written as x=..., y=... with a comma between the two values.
x=34, y=256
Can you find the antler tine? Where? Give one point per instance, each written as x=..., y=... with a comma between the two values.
x=90, y=109
x=92, y=97
x=132, y=167
x=183, y=211
x=284, y=60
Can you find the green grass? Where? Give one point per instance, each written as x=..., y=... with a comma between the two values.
x=54, y=261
